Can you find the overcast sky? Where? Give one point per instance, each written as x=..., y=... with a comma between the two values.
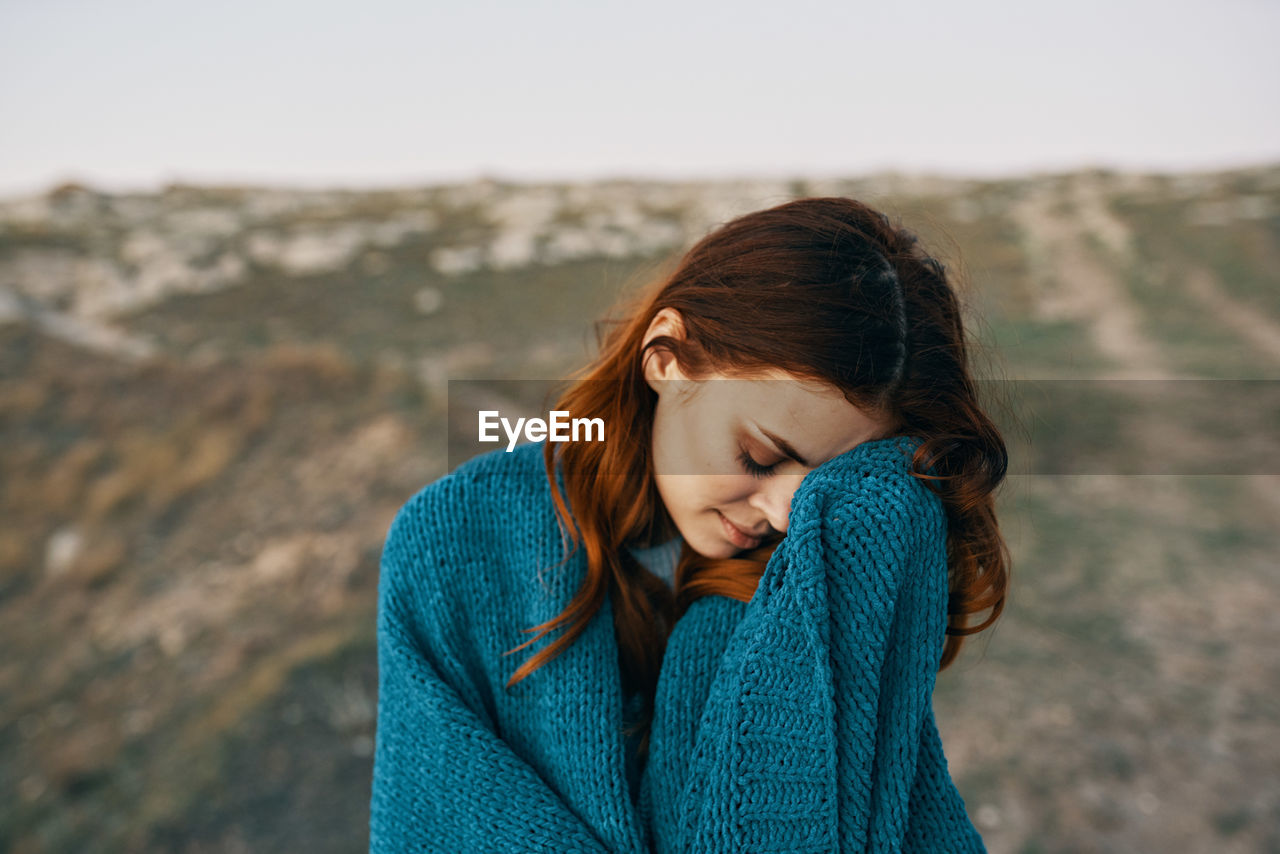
x=126, y=94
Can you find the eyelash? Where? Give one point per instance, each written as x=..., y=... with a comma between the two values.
x=754, y=468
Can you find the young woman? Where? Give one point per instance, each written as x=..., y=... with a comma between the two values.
x=787, y=531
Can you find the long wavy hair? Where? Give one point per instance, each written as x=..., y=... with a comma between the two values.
x=824, y=289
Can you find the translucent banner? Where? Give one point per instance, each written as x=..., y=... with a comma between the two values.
x=1050, y=427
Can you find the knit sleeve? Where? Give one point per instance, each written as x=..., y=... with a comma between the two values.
x=817, y=733
x=442, y=779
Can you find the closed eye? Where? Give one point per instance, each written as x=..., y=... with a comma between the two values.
x=752, y=467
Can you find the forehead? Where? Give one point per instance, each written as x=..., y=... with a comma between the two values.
x=814, y=417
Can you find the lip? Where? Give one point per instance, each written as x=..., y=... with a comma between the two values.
x=736, y=535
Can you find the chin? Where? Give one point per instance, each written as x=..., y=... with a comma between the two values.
x=714, y=547
x=707, y=539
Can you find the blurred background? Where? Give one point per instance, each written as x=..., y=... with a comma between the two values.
x=244, y=248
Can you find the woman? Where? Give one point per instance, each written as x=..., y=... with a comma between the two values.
x=791, y=412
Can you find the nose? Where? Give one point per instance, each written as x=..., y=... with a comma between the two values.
x=773, y=499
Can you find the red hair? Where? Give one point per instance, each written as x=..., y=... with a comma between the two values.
x=825, y=289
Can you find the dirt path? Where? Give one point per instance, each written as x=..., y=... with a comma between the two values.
x=1262, y=332
x=1073, y=283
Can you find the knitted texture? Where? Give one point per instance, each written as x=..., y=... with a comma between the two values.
x=800, y=721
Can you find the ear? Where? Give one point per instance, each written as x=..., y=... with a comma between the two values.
x=660, y=364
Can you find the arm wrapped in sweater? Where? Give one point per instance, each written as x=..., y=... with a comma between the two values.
x=813, y=730
x=444, y=780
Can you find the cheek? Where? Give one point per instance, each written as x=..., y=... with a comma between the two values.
x=719, y=490
x=682, y=450
x=699, y=493
x=675, y=450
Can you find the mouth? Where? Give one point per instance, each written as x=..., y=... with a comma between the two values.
x=737, y=536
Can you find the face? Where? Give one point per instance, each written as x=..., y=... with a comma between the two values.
x=729, y=452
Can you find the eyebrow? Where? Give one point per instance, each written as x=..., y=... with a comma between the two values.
x=784, y=446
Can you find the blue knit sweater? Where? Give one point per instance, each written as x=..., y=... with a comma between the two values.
x=800, y=721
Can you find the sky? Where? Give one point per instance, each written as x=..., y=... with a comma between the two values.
x=124, y=95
